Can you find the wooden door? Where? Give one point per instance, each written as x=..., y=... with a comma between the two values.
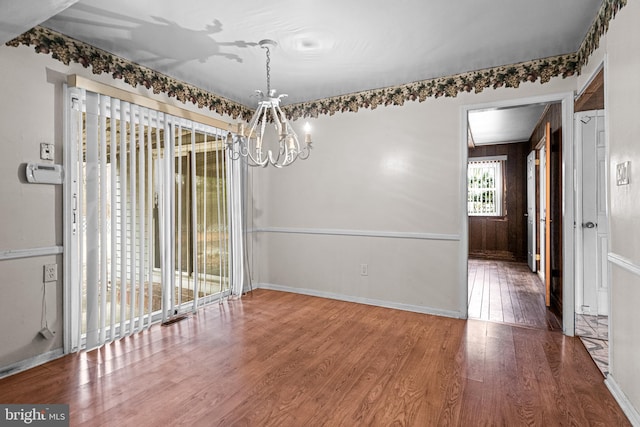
x=531, y=211
x=548, y=214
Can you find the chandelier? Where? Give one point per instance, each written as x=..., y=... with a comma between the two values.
x=269, y=138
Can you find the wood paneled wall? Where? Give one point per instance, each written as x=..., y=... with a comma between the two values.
x=552, y=114
x=503, y=237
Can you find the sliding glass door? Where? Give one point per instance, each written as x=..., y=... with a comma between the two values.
x=147, y=222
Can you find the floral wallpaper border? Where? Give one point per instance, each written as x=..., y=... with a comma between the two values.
x=449, y=86
x=600, y=26
x=67, y=50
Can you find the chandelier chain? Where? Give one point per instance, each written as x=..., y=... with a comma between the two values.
x=268, y=70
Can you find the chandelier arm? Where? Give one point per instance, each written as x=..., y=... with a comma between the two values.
x=275, y=162
x=276, y=119
x=231, y=147
x=253, y=122
x=304, y=153
x=263, y=125
x=291, y=134
x=255, y=162
x=248, y=154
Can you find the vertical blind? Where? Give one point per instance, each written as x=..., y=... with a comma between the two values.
x=484, y=187
x=149, y=220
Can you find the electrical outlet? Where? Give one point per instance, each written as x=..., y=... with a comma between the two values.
x=364, y=270
x=50, y=272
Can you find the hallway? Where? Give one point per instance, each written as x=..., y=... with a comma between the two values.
x=508, y=292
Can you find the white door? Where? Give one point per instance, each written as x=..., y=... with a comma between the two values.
x=592, y=295
x=543, y=209
x=531, y=210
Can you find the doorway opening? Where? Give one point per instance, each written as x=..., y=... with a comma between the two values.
x=505, y=278
x=592, y=231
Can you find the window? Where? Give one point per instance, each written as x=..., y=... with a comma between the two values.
x=485, y=183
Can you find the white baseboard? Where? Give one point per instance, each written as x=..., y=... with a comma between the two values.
x=626, y=406
x=361, y=300
x=32, y=362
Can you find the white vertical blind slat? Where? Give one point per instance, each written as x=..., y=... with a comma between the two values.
x=90, y=229
x=103, y=218
x=122, y=215
x=113, y=159
x=143, y=124
x=220, y=242
x=150, y=174
x=161, y=180
x=194, y=219
x=172, y=215
x=77, y=278
x=179, y=205
x=133, y=117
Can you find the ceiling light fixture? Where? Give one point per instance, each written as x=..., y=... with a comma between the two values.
x=257, y=143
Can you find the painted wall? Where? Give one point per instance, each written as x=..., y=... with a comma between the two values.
x=622, y=105
x=392, y=171
x=31, y=215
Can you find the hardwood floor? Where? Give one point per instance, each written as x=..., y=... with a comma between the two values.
x=282, y=359
x=507, y=291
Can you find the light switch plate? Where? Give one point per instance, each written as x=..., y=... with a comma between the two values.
x=623, y=171
x=47, y=151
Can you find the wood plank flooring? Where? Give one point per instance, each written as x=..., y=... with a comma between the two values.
x=281, y=359
x=507, y=291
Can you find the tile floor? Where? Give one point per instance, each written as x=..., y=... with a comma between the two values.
x=594, y=333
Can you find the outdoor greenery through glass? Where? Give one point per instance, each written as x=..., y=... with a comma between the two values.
x=484, y=180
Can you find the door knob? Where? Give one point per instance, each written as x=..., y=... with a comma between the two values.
x=589, y=225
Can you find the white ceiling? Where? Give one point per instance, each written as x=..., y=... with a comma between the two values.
x=327, y=48
x=16, y=17
x=504, y=125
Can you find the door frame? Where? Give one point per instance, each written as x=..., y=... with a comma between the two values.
x=544, y=205
x=568, y=199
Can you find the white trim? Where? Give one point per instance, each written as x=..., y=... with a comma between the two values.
x=32, y=362
x=76, y=81
x=30, y=253
x=625, y=263
x=362, y=300
x=568, y=217
x=626, y=406
x=567, y=100
x=502, y=158
x=463, y=172
x=359, y=233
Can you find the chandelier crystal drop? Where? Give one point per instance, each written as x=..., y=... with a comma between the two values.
x=269, y=137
